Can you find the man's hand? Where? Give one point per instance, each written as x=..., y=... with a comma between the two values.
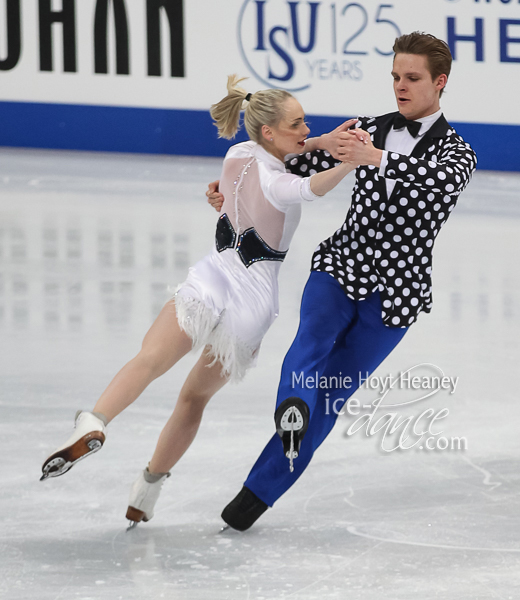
x=335, y=141
x=215, y=198
x=358, y=149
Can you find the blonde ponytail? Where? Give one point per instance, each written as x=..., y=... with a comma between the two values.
x=265, y=107
x=226, y=113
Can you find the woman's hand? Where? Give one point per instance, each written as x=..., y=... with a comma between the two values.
x=359, y=150
x=335, y=141
x=215, y=198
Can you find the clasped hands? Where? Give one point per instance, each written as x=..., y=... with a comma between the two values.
x=353, y=146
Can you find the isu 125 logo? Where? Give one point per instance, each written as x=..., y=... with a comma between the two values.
x=289, y=44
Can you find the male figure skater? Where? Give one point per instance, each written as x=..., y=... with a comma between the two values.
x=372, y=278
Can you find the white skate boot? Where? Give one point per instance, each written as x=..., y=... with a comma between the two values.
x=88, y=437
x=143, y=496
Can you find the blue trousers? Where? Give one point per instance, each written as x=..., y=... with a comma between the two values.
x=336, y=335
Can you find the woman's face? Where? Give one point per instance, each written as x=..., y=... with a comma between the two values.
x=290, y=133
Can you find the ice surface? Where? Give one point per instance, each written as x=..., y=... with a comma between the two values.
x=89, y=244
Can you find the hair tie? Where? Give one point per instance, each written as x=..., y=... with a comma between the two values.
x=248, y=97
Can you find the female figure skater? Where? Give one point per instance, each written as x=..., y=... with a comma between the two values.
x=230, y=297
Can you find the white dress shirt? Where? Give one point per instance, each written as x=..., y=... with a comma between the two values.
x=400, y=141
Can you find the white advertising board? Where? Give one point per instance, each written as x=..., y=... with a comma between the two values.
x=335, y=55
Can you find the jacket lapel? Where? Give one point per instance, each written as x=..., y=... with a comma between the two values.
x=383, y=124
x=438, y=130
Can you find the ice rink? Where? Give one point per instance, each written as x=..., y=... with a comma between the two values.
x=89, y=244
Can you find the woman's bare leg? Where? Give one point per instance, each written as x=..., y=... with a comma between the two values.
x=180, y=430
x=164, y=344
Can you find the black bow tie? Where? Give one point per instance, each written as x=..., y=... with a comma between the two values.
x=413, y=126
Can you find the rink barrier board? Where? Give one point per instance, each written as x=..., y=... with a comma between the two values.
x=189, y=132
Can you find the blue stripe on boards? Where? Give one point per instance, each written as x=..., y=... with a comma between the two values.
x=189, y=132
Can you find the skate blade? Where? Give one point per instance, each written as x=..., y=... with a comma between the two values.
x=62, y=461
x=292, y=419
x=224, y=528
x=134, y=515
x=56, y=466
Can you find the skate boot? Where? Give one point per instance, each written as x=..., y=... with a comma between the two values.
x=244, y=510
x=292, y=420
x=143, y=496
x=88, y=437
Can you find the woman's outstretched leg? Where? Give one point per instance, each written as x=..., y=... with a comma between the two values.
x=164, y=344
x=176, y=437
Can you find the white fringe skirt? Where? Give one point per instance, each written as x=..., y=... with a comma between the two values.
x=228, y=308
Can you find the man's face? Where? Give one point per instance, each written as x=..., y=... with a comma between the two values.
x=416, y=93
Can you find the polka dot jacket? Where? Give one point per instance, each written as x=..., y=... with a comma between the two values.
x=387, y=243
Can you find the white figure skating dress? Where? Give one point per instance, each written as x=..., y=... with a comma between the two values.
x=230, y=298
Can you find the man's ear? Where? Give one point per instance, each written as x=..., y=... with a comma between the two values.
x=442, y=80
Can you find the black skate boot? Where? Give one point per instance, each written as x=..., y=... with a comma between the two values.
x=292, y=420
x=244, y=510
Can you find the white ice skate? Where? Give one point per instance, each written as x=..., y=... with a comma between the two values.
x=144, y=495
x=88, y=437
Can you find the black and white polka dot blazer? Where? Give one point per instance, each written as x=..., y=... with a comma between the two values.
x=387, y=243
